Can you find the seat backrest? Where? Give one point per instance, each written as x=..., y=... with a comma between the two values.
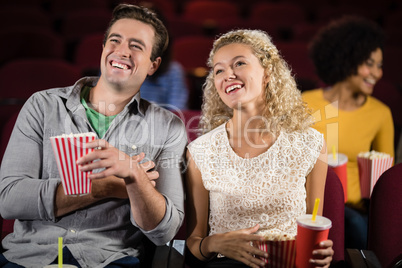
x=42, y=44
x=6, y=226
x=296, y=55
x=27, y=16
x=19, y=3
x=385, y=217
x=1, y=232
x=390, y=94
x=334, y=209
x=37, y=74
x=391, y=73
x=192, y=51
x=6, y=130
x=190, y=118
x=203, y=11
x=328, y=12
x=60, y=8
x=88, y=53
x=286, y=14
x=79, y=23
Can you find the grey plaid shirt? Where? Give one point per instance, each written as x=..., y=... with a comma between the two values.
x=103, y=232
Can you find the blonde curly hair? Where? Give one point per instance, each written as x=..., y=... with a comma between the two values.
x=284, y=108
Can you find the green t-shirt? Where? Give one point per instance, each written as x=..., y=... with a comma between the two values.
x=98, y=121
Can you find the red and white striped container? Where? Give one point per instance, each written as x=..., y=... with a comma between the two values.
x=281, y=254
x=67, y=150
x=370, y=169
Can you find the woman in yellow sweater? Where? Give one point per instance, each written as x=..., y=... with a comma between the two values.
x=348, y=56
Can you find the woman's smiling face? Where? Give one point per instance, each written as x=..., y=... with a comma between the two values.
x=238, y=75
x=368, y=74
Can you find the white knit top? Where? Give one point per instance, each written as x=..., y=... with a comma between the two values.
x=268, y=189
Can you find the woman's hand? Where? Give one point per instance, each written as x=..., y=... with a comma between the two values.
x=115, y=162
x=323, y=256
x=240, y=245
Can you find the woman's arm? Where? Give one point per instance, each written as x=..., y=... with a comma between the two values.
x=315, y=187
x=384, y=139
x=235, y=244
x=197, y=209
x=315, y=182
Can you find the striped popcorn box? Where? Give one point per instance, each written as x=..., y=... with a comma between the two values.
x=281, y=254
x=67, y=150
x=371, y=165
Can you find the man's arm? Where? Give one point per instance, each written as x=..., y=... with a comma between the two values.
x=148, y=206
x=109, y=187
x=29, y=176
x=22, y=168
x=159, y=211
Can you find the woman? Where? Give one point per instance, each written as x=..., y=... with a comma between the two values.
x=348, y=56
x=259, y=166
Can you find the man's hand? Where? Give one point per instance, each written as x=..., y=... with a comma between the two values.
x=148, y=206
x=115, y=162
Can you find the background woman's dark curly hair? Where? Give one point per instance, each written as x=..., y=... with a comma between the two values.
x=344, y=44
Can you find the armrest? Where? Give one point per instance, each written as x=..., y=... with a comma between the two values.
x=361, y=258
x=1, y=234
x=170, y=255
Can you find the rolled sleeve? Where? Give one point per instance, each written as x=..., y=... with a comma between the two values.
x=170, y=165
x=165, y=230
x=22, y=185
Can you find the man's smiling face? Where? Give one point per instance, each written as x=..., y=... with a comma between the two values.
x=125, y=60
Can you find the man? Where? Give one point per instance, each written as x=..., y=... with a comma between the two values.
x=128, y=199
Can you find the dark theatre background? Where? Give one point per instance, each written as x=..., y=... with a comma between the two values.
x=52, y=43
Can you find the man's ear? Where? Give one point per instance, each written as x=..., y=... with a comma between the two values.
x=154, y=65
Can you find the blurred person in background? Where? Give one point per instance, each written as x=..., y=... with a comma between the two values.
x=167, y=86
x=348, y=58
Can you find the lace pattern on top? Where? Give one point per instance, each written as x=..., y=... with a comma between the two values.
x=268, y=189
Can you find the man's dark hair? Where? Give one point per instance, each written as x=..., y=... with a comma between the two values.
x=126, y=11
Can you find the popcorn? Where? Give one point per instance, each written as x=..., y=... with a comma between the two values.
x=371, y=165
x=280, y=247
x=373, y=155
x=274, y=235
x=68, y=148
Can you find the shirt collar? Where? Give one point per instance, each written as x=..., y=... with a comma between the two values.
x=135, y=106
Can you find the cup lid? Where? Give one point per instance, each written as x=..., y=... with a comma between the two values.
x=56, y=266
x=340, y=159
x=320, y=223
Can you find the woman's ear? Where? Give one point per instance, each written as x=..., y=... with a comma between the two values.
x=267, y=77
